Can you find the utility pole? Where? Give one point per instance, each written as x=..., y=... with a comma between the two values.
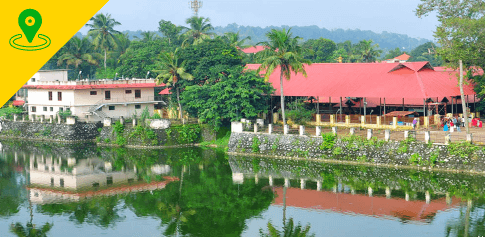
x=195, y=5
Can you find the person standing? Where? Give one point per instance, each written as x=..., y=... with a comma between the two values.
x=458, y=125
x=415, y=121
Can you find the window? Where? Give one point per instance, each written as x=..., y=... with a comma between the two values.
x=127, y=91
x=95, y=185
x=52, y=182
x=61, y=182
x=109, y=180
x=51, y=108
x=50, y=95
x=137, y=106
x=61, y=109
x=68, y=109
x=137, y=93
x=59, y=96
x=32, y=79
x=111, y=107
x=107, y=95
x=45, y=109
x=93, y=93
x=33, y=109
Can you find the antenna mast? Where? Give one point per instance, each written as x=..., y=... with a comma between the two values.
x=195, y=5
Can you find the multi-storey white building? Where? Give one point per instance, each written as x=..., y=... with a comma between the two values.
x=91, y=100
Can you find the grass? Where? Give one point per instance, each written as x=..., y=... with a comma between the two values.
x=222, y=138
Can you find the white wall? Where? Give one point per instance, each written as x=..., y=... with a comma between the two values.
x=48, y=75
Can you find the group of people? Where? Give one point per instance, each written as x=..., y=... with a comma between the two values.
x=457, y=123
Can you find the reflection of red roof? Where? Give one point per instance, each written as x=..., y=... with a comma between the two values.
x=386, y=80
x=88, y=87
x=18, y=103
x=361, y=204
x=114, y=190
x=253, y=49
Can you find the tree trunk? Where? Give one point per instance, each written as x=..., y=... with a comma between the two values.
x=463, y=102
x=282, y=98
x=180, y=107
x=105, y=59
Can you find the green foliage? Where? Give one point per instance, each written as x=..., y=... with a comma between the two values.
x=337, y=151
x=256, y=143
x=462, y=149
x=8, y=112
x=289, y=230
x=65, y=114
x=238, y=94
x=100, y=129
x=118, y=128
x=274, y=146
x=140, y=58
x=328, y=141
x=298, y=113
x=145, y=114
x=319, y=50
x=107, y=140
x=415, y=159
x=46, y=132
x=120, y=141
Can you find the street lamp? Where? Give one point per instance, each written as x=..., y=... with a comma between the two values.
x=148, y=73
x=116, y=76
x=79, y=75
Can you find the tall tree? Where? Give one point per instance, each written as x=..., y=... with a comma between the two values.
x=169, y=30
x=171, y=70
x=235, y=39
x=198, y=30
x=319, y=50
x=78, y=51
x=460, y=35
x=103, y=33
x=147, y=36
x=368, y=52
x=283, y=51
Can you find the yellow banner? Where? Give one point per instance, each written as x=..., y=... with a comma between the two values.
x=33, y=31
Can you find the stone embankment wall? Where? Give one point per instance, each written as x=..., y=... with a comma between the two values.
x=49, y=131
x=459, y=156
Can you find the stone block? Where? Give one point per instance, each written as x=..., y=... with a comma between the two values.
x=236, y=127
x=260, y=122
x=378, y=121
x=369, y=134
x=255, y=127
x=302, y=130
x=160, y=123
x=107, y=122
x=427, y=136
x=394, y=122
x=334, y=131
x=15, y=117
x=387, y=135
x=270, y=128
x=319, y=131
x=406, y=135
x=286, y=129
x=70, y=120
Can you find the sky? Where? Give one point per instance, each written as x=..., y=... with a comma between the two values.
x=395, y=16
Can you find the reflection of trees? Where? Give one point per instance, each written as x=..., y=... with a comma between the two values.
x=9, y=190
x=101, y=211
x=289, y=230
x=207, y=204
x=29, y=230
x=471, y=221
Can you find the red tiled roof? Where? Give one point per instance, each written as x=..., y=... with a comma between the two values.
x=253, y=49
x=18, y=103
x=403, y=57
x=94, y=86
x=416, y=80
x=399, y=113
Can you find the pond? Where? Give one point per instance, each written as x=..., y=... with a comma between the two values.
x=84, y=190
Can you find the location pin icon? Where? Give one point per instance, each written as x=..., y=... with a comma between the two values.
x=30, y=22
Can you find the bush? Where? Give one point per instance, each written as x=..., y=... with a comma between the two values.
x=298, y=114
x=328, y=141
x=8, y=112
x=256, y=143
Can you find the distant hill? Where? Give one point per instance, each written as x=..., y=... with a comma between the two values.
x=386, y=40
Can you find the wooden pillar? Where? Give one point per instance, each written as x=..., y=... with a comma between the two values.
x=330, y=104
x=341, y=109
x=318, y=105
x=402, y=104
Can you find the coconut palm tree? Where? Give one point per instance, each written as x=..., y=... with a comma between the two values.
x=368, y=52
x=147, y=36
x=78, y=51
x=171, y=70
x=283, y=51
x=103, y=33
x=234, y=39
x=198, y=30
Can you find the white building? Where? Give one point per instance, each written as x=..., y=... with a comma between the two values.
x=89, y=100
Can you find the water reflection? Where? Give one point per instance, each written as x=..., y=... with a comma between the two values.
x=406, y=196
